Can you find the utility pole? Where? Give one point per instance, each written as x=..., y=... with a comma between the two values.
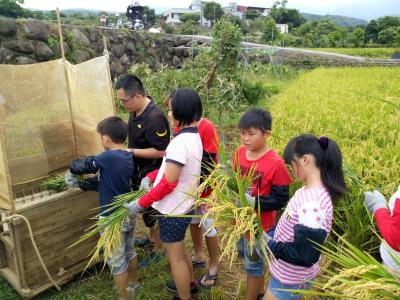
x=201, y=14
x=214, y=14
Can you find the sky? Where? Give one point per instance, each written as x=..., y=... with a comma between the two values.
x=364, y=9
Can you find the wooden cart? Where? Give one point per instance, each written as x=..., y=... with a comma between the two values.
x=48, y=117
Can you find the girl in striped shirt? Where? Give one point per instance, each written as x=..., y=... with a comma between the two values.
x=307, y=219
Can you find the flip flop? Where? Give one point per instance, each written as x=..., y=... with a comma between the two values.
x=208, y=277
x=198, y=264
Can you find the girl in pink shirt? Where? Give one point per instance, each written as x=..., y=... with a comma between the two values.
x=307, y=219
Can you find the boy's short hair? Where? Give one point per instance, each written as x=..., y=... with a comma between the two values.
x=186, y=106
x=131, y=84
x=115, y=128
x=256, y=118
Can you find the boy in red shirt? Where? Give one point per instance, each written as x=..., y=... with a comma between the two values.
x=268, y=193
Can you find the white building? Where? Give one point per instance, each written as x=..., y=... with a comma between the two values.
x=172, y=16
x=284, y=28
x=232, y=9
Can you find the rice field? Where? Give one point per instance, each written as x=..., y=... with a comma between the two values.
x=360, y=109
x=363, y=52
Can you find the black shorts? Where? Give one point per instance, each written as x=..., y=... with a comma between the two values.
x=173, y=229
x=150, y=216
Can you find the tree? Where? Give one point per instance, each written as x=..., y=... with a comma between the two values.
x=13, y=9
x=190, y=17
x=252, y=14
x=239, y=22
x=356, y=38
x=151, y=17
x=271, y=32
x=390, y=36
x=257, y=25
x=292, y=17
x=212, y=11
x=371, y=32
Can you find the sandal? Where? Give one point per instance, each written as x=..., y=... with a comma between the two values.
x=208, y=277
x=198, y=264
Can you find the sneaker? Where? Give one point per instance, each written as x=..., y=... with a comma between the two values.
x=143, y=242
x=130, y=291
x=151, y=259
x=171, y=286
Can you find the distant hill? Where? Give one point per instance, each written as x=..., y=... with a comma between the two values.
x=338, y=20
x=84, y=11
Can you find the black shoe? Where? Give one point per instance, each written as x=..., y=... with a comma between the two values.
x=171, y=286
x=143, y=242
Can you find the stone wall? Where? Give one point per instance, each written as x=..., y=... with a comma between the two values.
x=30, y=41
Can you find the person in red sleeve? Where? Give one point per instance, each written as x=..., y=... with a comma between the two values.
x=268, y=193
x=388, y=221
x=176, y=181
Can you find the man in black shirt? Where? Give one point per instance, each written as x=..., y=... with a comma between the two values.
x=148, y=137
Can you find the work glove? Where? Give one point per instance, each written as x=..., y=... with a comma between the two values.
x=71, y=180
x=251, y=201
x=133, y=208
x=374, y=201
x=145, y=184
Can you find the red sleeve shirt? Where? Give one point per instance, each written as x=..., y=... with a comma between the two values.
x=389, y=225
x=270, y=170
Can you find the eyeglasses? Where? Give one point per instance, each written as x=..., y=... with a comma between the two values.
x=127, y=100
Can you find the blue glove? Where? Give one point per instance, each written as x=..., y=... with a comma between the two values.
x=133, y=208
x=71, y=180
x=374, y=201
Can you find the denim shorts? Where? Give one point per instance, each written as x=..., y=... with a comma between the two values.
x=119, y=261
x=173, y=229
x=206, y=224
x=274, y=284
x=253, y=262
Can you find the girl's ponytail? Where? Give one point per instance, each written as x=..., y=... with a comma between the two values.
x=328, y=159
x=331, y=168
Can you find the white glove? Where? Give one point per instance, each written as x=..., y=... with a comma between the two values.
x=266, y=237
x=133, y=208
x=374, y=201
x=251, y=201
x=71, y=180
x=145, y=184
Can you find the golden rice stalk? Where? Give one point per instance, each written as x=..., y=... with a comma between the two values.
x=229, y=186
x=109, y=228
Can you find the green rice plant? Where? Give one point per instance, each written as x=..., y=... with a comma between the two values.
x=109, y=228
x=356, y=275
x=56, y=183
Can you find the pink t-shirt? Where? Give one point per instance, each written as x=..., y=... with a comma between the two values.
x=311, y=207
x=186, y=150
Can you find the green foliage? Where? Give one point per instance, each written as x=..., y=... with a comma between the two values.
x=239, y=22
x=13, y=9
x=252, y=14
x=283, y=15
x=257, y=25
x=390, y=36
x=253, y=92
x=212, y=11
x=189, y=28
x=190, y=17
x=271, y=32
x=169, y=29
x=150, y=16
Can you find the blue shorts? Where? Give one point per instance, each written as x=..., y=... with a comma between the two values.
x=119, y=261
x=253, y=262
x=274, y=284
x=173, y=229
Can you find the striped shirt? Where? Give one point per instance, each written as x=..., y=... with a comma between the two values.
x=311, y=207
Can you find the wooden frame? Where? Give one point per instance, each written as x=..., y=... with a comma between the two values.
x=57, y=221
